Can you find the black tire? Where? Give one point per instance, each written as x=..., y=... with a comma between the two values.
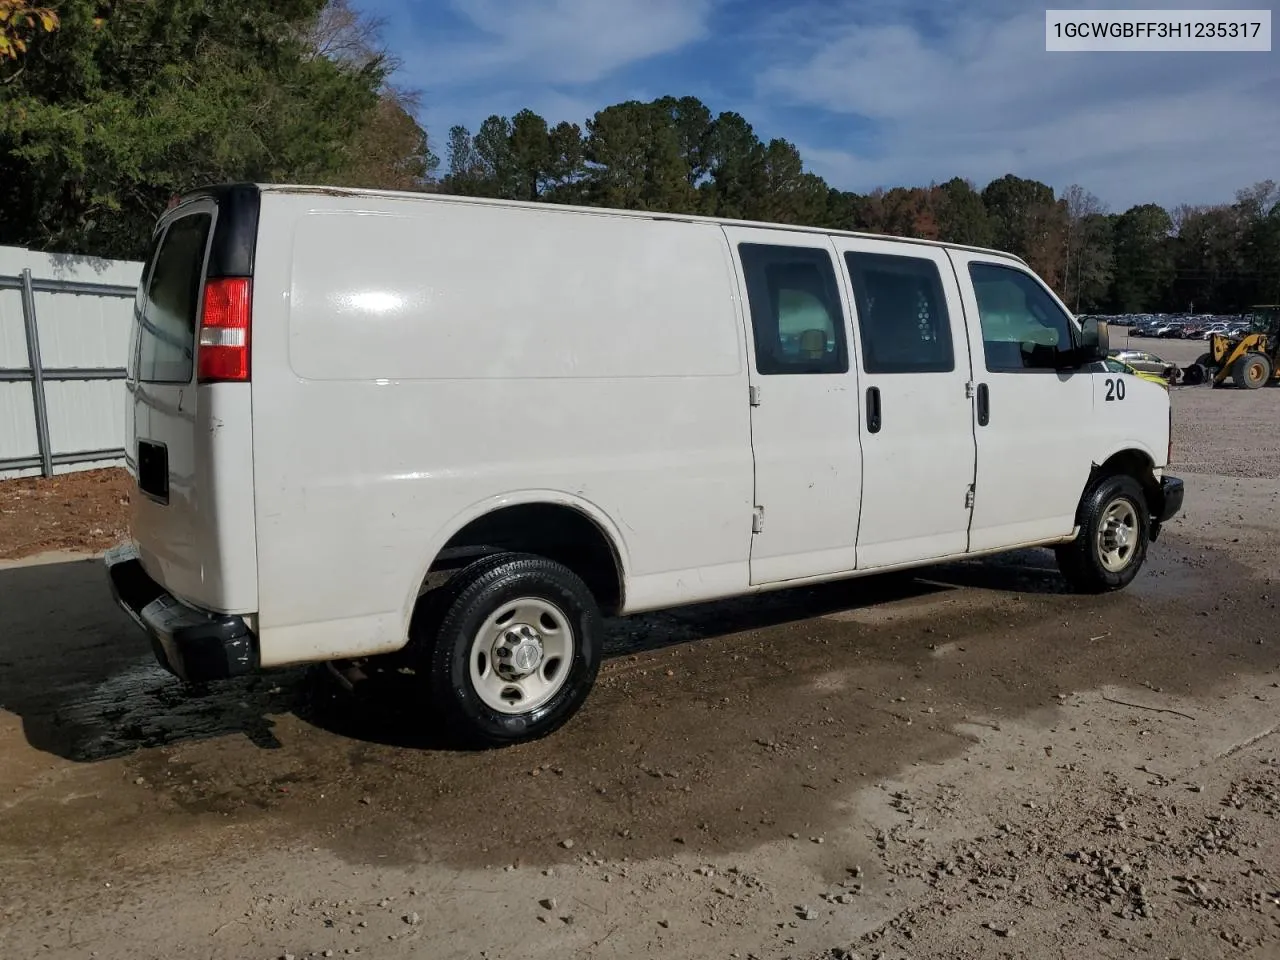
x=445, y=628
x=1081, y=561
x=1207, y=369
x=1251, y=371
x=1194, y=375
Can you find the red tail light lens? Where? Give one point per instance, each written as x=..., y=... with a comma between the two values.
x=224, y=331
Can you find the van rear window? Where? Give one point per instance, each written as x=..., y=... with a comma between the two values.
x=167, y=324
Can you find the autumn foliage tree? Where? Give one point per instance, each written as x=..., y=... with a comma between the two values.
x=19, y=23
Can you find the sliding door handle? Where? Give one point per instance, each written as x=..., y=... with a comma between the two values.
x=873, y=409
x=984, y=405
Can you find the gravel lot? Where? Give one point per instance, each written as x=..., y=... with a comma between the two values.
x=964, y=764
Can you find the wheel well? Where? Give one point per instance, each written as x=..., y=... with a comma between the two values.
x=549, y=530
x=1136, y=464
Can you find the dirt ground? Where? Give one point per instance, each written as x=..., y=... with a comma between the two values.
x=87, y=510
x=966, y=763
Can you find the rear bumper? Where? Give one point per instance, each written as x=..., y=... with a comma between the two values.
x=193, y=645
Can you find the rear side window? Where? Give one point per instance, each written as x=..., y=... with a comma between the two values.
x=796, y=317
x=902, y=314
x=166, y=335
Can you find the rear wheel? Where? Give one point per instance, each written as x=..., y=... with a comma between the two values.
x=1114, y=531
x=1251, y=371
x=1193, y=375
x=510, y=648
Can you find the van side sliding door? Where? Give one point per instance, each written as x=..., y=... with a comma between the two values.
x=804, y=405
x=917, y=429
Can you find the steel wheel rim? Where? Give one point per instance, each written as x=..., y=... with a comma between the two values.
x=1253, y=372
x=520, y=657
x=1118, y=533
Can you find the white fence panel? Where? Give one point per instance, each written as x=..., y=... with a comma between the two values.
x=70, y=414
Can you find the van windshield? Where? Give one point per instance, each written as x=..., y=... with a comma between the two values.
x=167, y=321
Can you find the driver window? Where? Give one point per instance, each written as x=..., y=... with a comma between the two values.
x=1022, y=327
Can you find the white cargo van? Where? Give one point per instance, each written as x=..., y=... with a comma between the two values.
x=338, y=399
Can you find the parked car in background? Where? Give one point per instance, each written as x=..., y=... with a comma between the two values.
x=1114, y=365
x=1144, y=362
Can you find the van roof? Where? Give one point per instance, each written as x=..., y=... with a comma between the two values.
x=611, y=211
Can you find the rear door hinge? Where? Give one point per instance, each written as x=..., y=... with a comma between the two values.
x=757, y=520
x=969, y=390
x=753, y=394
x=968, y=496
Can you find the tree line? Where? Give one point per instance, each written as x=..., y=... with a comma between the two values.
x=110, y=108
x=674, y=155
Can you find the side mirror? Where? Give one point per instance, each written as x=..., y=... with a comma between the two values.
x=1095, y=341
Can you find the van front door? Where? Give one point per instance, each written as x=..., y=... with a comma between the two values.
x=804, y=413
x=1035, y=418
x=917, y=429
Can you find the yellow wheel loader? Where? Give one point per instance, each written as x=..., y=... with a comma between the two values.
x=1249, y=360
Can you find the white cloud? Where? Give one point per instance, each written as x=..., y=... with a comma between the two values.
x=560, y=58
x=567, y=41
x=976, y=95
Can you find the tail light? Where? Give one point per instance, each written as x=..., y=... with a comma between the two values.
x=224, y=331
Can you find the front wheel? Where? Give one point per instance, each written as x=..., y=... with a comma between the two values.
x=511, y=649
x=1114, y=532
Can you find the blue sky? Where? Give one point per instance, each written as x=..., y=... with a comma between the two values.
x=873, y=92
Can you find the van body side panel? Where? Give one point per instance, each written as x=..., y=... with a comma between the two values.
x=415, y=362
x=225, y=470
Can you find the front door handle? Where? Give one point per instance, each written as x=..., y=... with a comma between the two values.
x=873, y=409
x=984, y=405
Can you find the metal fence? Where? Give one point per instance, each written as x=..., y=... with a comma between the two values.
x=83, y=322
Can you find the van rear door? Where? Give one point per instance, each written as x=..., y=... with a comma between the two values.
x=190, y=443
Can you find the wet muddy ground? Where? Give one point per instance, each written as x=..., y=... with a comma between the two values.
x=968, y=762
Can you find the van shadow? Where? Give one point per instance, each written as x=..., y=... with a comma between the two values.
x=386, y=709
x=82, y=678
